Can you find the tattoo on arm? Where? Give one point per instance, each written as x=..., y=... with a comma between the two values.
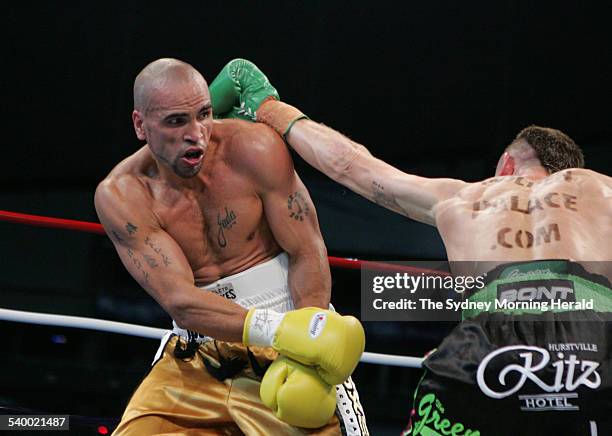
x=383, y=199
x=117, y=237
x=138, y=265
x=131, y=228
x=148, y=241
x=298, y=207
x=150, y=261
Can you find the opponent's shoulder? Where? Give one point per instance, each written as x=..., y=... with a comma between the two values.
x=587, y=173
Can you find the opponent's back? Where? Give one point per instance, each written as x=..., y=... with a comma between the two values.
x=567, y=215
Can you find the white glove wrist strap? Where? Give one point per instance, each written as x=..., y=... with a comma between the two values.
x=263, y=325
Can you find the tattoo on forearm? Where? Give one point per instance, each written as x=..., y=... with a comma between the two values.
x=298, y=206
x=507, y=237
x=131, y=228
x=383, y=199
x=225, y=223
x=148, y=241
x=138, y=264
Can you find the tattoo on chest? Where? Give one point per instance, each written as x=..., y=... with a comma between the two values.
x=507, y=237
x=131, y=228
x=225, y=221
x=298, y=207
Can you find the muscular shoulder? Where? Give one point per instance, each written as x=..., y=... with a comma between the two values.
x=125, y=189
x=256, y=150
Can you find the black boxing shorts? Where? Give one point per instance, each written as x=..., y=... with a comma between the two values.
x=524, y=367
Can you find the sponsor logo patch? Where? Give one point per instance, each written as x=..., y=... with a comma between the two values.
x=226, y=291
x=508, y=370
x=317, y=323
x=537, y=290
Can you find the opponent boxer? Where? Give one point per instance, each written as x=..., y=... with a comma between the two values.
x=213, y=222
x=544, y=221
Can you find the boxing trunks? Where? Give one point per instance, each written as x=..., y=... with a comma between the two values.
x=524, y=368
x=199, y=386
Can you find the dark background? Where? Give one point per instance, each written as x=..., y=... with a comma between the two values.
x=436, y=88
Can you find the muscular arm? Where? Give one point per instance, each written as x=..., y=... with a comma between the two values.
x=292, y=217
x=158, y=264
x=352, y=165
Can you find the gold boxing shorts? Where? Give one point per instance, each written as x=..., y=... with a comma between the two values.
x=185, y=396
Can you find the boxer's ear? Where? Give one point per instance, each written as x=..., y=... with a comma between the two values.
x=138, y=121
x=505, y=166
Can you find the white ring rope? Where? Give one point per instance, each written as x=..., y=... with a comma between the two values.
x=157, y=333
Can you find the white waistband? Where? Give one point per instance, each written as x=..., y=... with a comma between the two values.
x=248, y=287
x=264, y=286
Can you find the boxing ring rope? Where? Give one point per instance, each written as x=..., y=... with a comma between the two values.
x=157, y=333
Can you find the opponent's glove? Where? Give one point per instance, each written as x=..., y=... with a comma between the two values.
x=297, y=394
x=241, y=90
x=321, y=338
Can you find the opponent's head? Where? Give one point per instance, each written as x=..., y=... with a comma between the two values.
x=173, y=113
x=536, y=146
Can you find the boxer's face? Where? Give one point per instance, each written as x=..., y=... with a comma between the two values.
x=177, y=125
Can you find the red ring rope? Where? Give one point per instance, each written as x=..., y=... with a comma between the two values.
x=89, y=227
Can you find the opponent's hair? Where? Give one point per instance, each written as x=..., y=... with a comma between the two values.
x=555, y=150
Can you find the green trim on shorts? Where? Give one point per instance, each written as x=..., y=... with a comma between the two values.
x=596, y=296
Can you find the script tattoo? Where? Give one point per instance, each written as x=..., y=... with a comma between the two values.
x=526, y=239
x=298, y=207
x=225, y=223
x=138, y=264
x=131, y=228
x=148, y=241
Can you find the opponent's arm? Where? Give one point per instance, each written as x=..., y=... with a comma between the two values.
x=159, y=265
x=241, y=90
x=352, y=165
x=290, y=213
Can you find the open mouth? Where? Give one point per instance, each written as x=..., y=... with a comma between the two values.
x=193, y=155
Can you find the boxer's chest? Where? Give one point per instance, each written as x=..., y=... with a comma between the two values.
x=220, y=219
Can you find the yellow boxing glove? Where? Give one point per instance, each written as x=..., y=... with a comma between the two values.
x=297, y=395
x=315, y=337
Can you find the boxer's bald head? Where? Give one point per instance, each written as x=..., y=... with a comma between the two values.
x=173, y=113
x=160, y=75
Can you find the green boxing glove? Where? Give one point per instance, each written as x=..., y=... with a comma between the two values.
x=241, y=90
